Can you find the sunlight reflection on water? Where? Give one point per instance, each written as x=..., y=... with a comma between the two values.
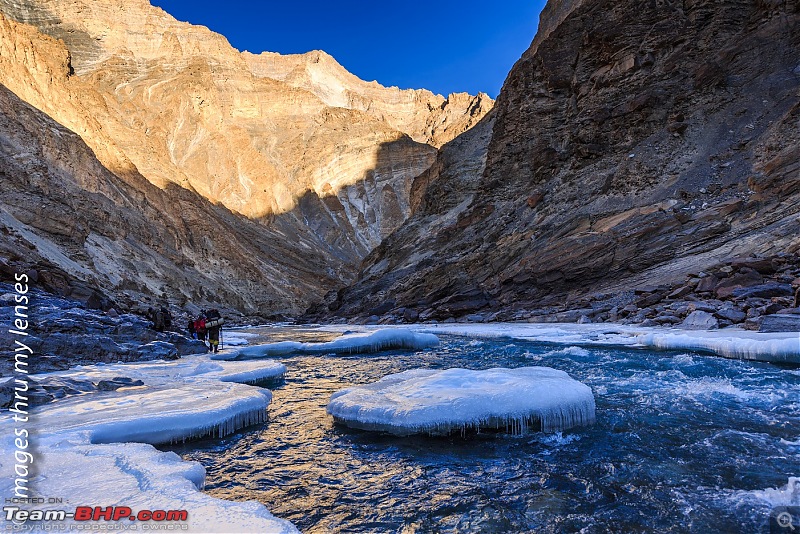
x=678, y=440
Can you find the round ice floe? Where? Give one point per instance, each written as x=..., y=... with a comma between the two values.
x=441, y=402
x=358, y=343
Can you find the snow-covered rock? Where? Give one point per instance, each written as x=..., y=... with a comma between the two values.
x=445, y=401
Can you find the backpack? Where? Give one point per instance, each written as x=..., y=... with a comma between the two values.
x=200, y=326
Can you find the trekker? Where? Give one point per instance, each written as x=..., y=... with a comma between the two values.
x=200, y=327
x=162, y=318
x=191, y=330
x=214, y=324
x=167, y=317
x=159, y=320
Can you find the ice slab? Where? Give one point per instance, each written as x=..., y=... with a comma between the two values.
x=235, y=338
x=166, y=414
x=189, y=368
x=135, y=475
x=445, y=401
x=729, y=342
x=359, y=343
x=743, y=345
x=81, y=451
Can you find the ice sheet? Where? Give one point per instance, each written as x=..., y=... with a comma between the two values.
x=163, y=414
x=235, y=338
x=196, y=366
x=728, y=342
x=81, y=452
x=440, y=402
x=358, y=343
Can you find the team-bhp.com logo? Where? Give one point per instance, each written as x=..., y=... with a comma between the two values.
x=96, y=513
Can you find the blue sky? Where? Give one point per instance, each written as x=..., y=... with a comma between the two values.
x=446, y=46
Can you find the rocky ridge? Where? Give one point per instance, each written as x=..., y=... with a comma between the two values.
x=625, y=153
x=314, y=165
x=66, y=333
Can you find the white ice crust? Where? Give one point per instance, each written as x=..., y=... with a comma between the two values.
x=188, y=369
x=444, y=401
x=358, y=343
x=84, y=451
x=728, y=342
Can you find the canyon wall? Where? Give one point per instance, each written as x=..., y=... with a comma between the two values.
x=296, y=149
x=633, y=144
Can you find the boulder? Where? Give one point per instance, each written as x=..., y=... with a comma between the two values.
x=701, y=306
x=6, y=393
x=744, y=279
x=667, y=319
x=186, y=345
x=158, y=350
x=650, y=300
x=753, y=323
x=700, y=320
x=780, y=323
x=768, y=290
x=769, y=309
x=680, y=292
x=761, y=265
x=410, y=316
x=707, y=284
x=731, y=314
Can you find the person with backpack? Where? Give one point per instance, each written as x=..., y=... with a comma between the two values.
x=159, y=320
x=191, y=330
x=166, y=318
x=200, y=327
x=214, y=323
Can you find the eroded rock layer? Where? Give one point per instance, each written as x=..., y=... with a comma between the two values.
x=634, y=143
x=313, y=164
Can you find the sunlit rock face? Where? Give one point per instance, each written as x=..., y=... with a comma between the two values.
x=309, y=159
x=633, y=144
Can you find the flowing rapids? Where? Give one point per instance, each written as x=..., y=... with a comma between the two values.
x=683, y=442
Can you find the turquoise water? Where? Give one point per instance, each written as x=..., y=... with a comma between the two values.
x=680, y=442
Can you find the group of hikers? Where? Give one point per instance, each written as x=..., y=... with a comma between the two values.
x=207, y=327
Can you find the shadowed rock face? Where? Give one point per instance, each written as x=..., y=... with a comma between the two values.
x=259, y=180
x=76, y=226
x=633, y=143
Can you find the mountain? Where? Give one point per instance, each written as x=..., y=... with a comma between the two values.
x=258, y=180
x=633, y=144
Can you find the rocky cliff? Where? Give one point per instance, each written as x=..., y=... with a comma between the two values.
x=314, y=165
x=634, y=144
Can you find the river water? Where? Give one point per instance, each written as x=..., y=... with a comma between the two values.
x=680, y=444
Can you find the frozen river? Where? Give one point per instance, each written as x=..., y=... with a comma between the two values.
x=683, y=442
